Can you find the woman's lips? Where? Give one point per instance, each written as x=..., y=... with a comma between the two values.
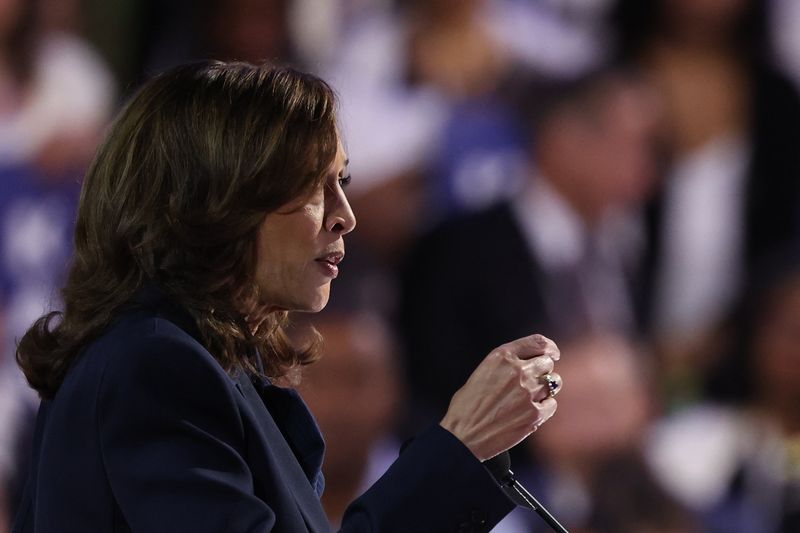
x=329, y=263
x=328, y=268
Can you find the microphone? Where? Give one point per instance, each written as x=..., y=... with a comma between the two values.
x=500, y=468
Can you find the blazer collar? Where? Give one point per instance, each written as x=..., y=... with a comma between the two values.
x=298, y=426
x=298, y=467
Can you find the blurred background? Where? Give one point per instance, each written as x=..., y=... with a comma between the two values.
x=620, y=175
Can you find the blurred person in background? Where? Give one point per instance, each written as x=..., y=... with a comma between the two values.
x=404, y=74
x=590, y=466
x=731, y=186
x=355, y=392
x=16, y=416
x=55, y=95
x=55, y=98
x=563, y=254
x=249, y=30
x=142, y=37
x=428, y=82
x=784, y=19
x=8, y=405
x=736, y=456
x=425, y=98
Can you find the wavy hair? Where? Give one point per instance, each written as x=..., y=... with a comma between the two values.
x=175, y=197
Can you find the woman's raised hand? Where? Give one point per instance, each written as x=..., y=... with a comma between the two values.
x=506, y=398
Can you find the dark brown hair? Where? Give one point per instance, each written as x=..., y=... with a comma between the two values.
x=175, y=197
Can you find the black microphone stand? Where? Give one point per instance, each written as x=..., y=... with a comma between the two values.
x=533, y=503
x=500, y=468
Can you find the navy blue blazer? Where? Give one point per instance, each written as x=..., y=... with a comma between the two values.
x=148, y=433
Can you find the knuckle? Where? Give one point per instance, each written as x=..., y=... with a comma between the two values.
x=504, y=353
x=545, y=365
x=520, y=372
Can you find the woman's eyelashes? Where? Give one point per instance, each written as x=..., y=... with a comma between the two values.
x=342, y=181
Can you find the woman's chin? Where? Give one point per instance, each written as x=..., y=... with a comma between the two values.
x=315, y=302
x=320, y=304
x=312, y=300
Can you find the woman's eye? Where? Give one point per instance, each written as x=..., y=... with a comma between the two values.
x=345, y=181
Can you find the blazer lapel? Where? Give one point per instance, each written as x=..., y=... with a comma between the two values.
x=296, y=480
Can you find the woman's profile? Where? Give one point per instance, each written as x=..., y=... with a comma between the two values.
x=214, y=207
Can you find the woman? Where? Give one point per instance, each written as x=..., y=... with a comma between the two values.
x=215, y=206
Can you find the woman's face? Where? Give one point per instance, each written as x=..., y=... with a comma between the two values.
x=300, y=245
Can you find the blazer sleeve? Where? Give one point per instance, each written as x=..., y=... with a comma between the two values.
x=174, y=456
x=436, y=486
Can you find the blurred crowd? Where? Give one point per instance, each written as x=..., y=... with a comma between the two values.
x=620, y=175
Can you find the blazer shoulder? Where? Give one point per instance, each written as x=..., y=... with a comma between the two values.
x=147, y=350
x=152, y=361
x=132, y=332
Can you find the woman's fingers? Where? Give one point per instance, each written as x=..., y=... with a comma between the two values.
x=531, y=346
x=546, y=408
x=508, y=396
x=539, y=365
